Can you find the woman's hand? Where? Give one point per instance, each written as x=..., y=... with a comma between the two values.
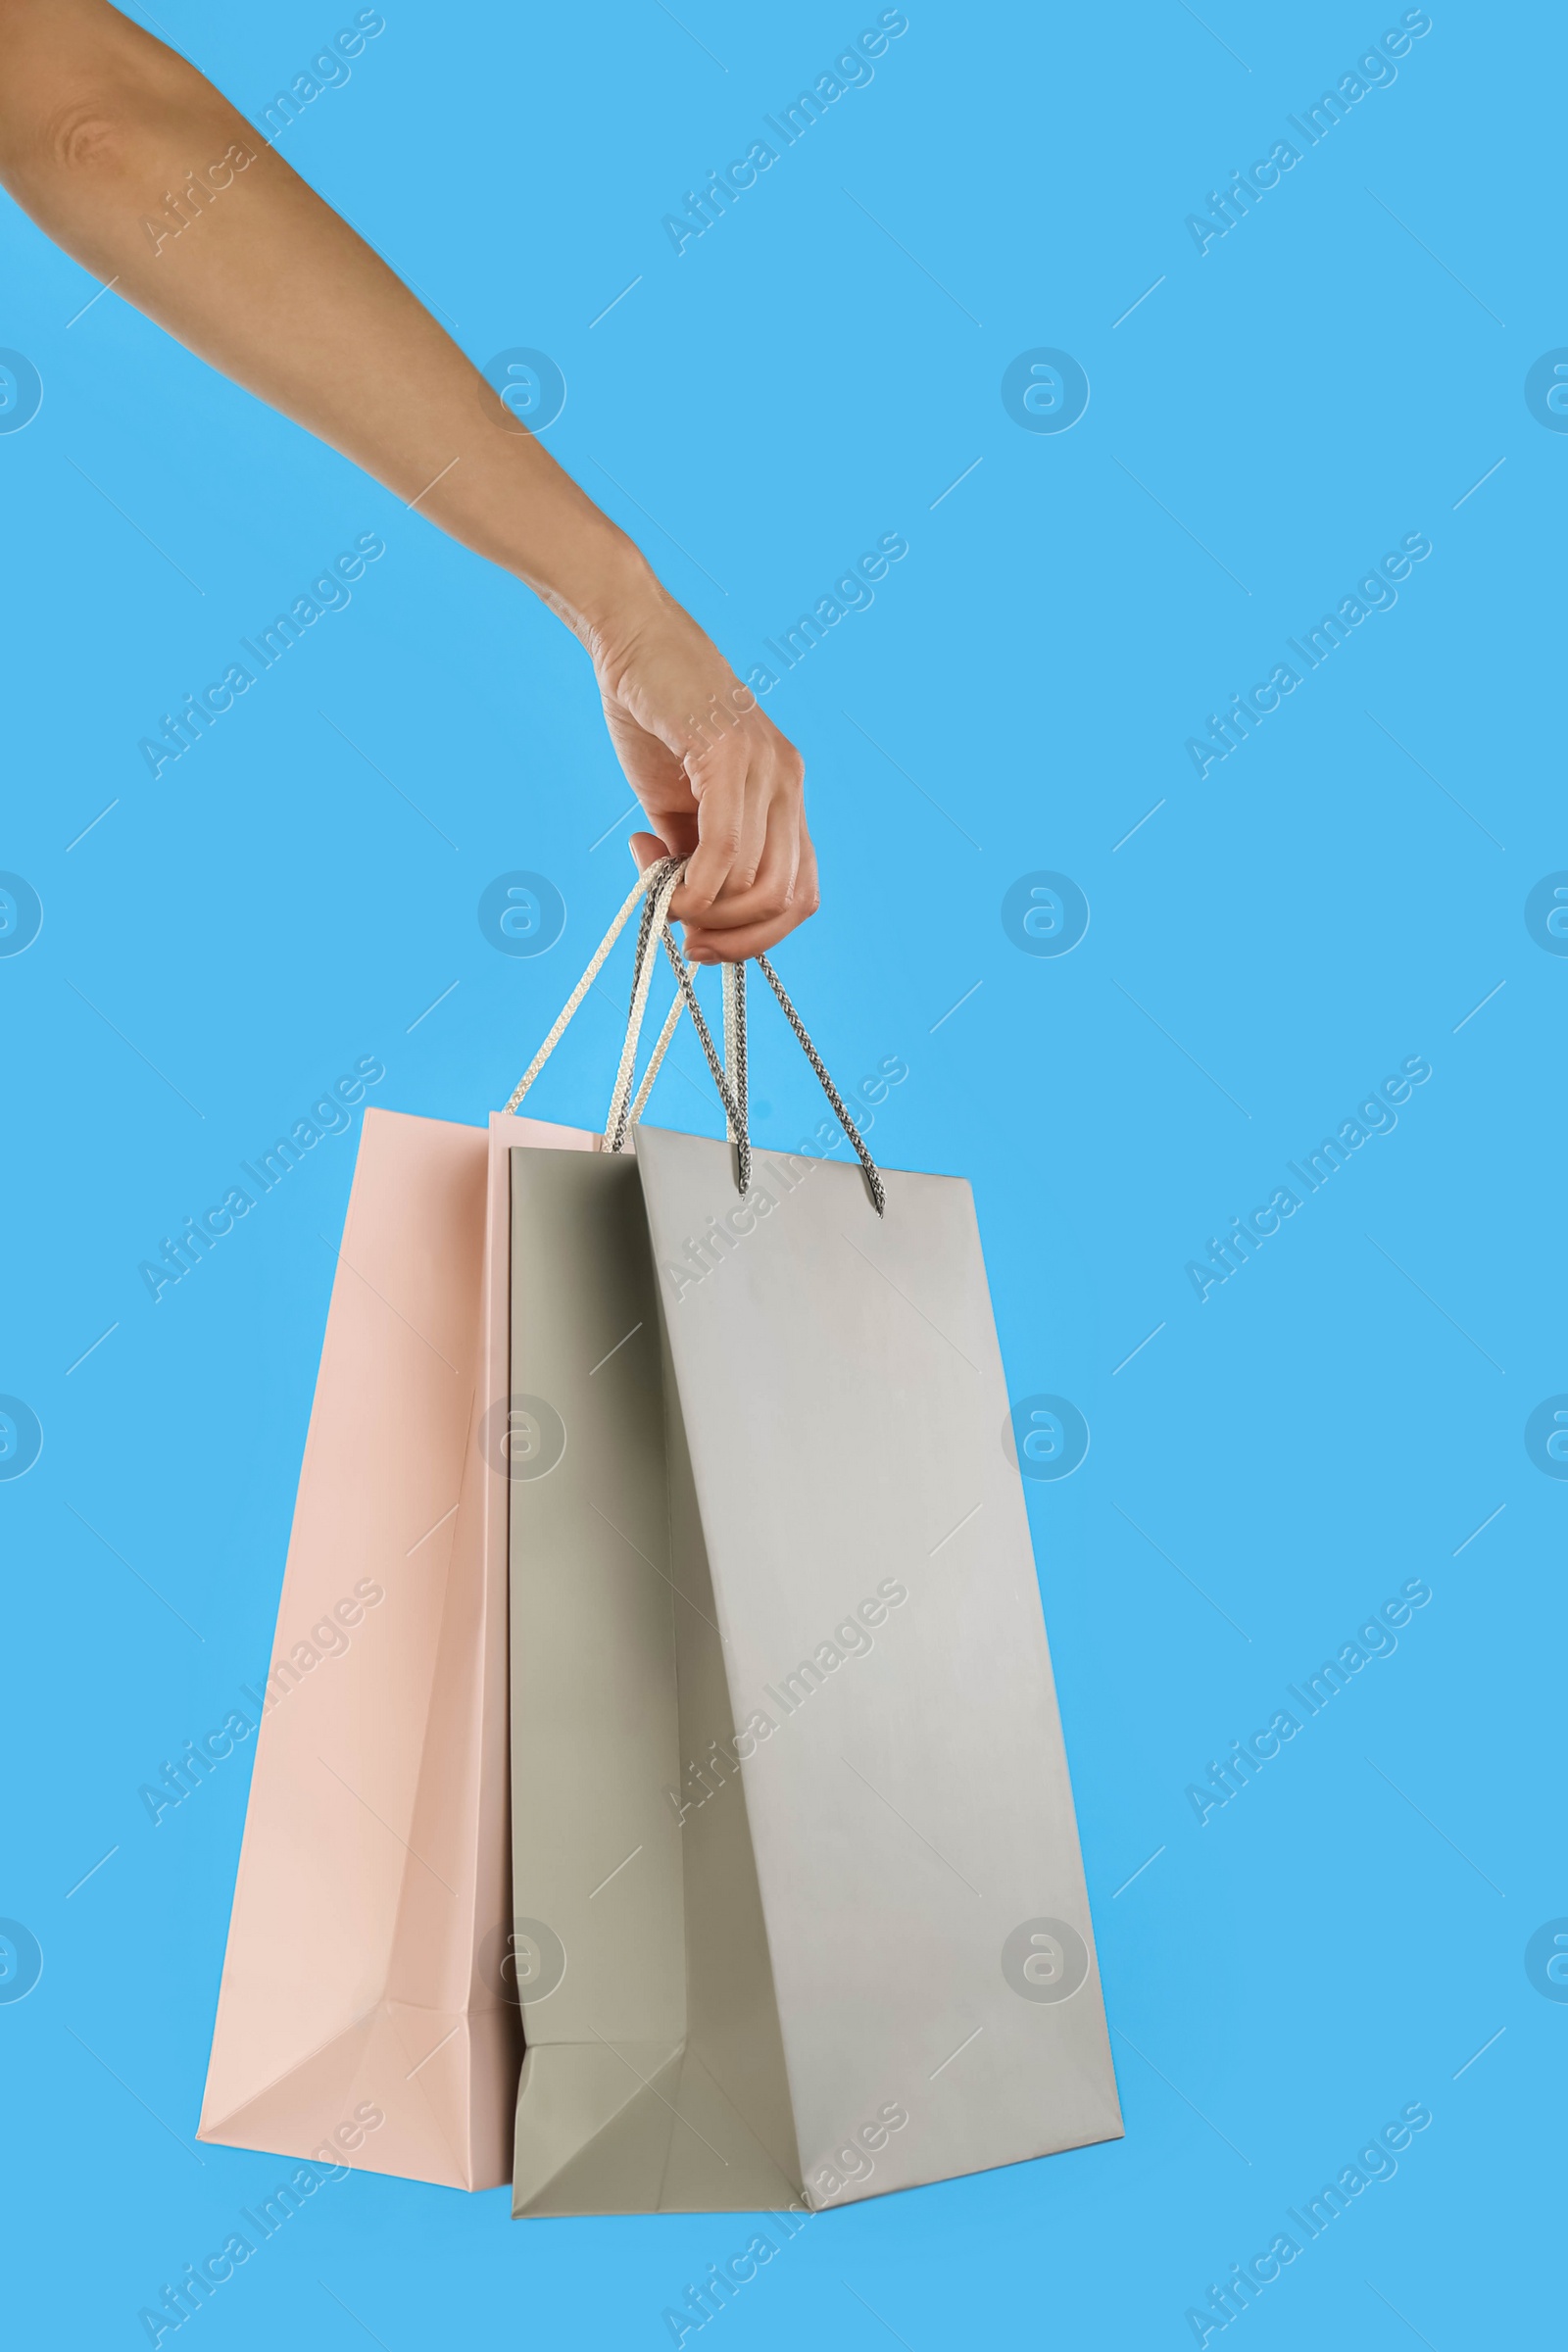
x=98, y=121
x=719, y=783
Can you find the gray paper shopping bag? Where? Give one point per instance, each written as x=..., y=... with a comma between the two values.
x=799, y=1906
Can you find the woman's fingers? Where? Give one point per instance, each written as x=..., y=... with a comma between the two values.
x=724, y=788
x=751, y=842
x=740, y=923
x=783, y=896
x=752, y=939
x=719, y=788
x=769, y=895
x=647, y=849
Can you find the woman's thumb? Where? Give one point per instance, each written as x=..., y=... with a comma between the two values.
x=647, y=849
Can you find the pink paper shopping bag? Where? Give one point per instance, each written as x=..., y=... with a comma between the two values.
x=369, y=2007
x=365, y=2011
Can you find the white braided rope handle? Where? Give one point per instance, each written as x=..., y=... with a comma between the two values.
x=656, y=877
x=661, y=1048
x=645, y=937
x=665, y=881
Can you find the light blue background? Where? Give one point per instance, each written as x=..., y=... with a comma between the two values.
x=1344, y=1937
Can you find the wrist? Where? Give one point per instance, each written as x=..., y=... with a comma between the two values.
x=604, y=589
x=510, y=501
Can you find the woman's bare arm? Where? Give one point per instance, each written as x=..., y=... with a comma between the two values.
x=100, y=127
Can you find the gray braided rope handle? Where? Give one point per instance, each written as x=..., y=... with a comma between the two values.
x=734, y=1101
x=658, y=874
x=873, y=1177
x=735, y=1067
x=733, y=1111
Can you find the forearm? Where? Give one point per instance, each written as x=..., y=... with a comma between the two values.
x=100, y=126
x=127, y=157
